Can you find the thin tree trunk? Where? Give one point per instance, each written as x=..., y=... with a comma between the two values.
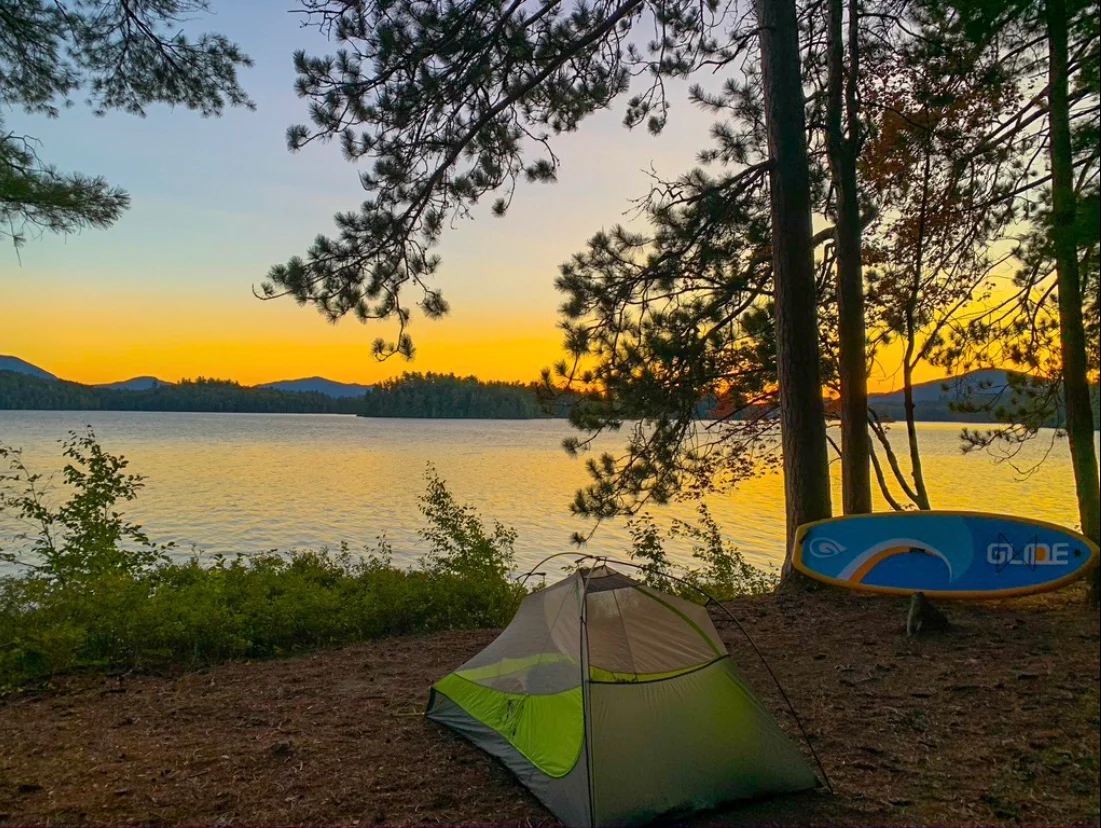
x=856, y=487
x=921, y=498
x=896, y=468
x=882, y=480
x=921, y=494
x=802, y=413
x=1072, y=337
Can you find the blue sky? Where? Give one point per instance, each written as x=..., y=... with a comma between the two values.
x=215, y=202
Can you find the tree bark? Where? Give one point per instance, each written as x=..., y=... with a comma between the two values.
x=921, y=495
x=802, y=413
x=856, y=486
x=1072, y=337
x=908, y=360
x=881, y=478
x=896, y=469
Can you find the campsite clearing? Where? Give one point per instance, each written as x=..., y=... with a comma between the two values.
x=992, y=721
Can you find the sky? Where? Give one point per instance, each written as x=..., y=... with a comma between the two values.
x=167, y=291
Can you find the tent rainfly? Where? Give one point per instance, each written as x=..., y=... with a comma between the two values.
x=617, y=704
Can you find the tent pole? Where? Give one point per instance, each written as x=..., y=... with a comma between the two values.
x=586, y=714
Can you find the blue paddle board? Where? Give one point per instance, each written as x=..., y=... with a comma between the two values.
x=945, y=554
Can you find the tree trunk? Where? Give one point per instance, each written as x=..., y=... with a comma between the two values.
x=892, y=459
x=856, y=485
x=1072, y=337
x=802, y=414
x=921, y=495
x=881, y=478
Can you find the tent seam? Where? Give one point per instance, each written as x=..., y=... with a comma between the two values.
x=683, y=617
x=686, y=672
x=586, y=713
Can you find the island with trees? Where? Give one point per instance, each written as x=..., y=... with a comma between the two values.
x=450, y=396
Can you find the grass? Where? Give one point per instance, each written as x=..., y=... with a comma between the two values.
x=936, y=729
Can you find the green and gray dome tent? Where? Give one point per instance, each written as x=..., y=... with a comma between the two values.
x=615, y=704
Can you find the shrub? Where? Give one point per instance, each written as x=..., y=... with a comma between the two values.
x=723, y=572
x=88, y=600
x=86, y=535
x=458, y=540
x=97, y=593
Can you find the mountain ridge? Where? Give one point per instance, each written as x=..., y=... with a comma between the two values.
x=950, y=388
x=143, y=383
x=21, y=366
x=22, y=391
x=935, y=400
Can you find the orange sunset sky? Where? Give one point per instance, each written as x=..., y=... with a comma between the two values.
x=167, y=291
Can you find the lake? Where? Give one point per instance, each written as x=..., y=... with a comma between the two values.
x=248, y=483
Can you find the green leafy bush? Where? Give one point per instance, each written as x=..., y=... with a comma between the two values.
x=96, y=593
x=85, y=536
x=722, y=572
x=458, y=540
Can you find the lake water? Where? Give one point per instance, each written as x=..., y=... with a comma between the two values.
x=252, y=482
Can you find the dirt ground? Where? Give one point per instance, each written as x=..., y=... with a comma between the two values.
x=992, y=721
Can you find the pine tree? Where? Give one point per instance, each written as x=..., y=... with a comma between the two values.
x=1059, y=156
x=802, y=413
x=449, y=100
x=122, y=56
x=843, y=140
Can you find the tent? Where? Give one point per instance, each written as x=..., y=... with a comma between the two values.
x=617, y=704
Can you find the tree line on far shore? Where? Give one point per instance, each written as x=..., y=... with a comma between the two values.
x=20, y=391
x=448, y=396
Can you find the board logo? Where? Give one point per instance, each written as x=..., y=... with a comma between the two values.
x=1002, y=554
x=825, y=548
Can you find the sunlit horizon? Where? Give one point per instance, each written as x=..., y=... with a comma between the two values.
x=168, y=290
x=122, y=350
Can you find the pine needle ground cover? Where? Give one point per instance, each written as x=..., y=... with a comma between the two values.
x=994, y=721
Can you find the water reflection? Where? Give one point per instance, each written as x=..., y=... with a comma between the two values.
x=247, y=483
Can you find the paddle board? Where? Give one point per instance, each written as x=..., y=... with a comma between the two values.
x=944, y=554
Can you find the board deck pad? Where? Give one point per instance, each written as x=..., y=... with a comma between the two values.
x=947, y=554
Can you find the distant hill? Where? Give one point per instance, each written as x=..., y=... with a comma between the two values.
x=26, y=386
x=308, y=385
x=988, y=381
x=134, y=384
x=939, y=400
x=21, y=366
x=320, y=385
